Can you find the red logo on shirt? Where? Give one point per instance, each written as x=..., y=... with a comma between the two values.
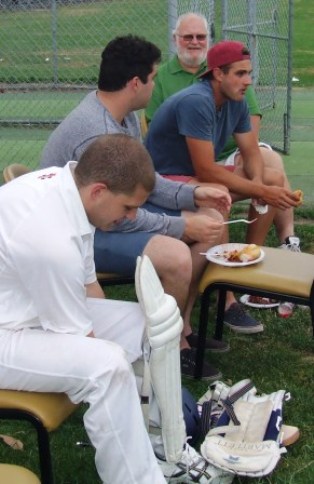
x=48, y=175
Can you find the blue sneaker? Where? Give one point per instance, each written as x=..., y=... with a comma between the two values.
x=240, y=321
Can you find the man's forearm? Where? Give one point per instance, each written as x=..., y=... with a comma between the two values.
x=152, y=222
x=234, y=183
x=172, y=195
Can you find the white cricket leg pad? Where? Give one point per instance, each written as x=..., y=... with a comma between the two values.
x=161, y=312
x=164, y=326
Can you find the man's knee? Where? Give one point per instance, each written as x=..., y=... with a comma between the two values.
x=274, y=177
x=117, y=368
x=196, y=181
x=170, y=257
x=212, y=213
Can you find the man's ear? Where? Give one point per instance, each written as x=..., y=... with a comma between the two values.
x=217, y=73
x=97, y=190
x=133, y=83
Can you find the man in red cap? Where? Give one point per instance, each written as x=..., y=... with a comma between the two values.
x=190, y=129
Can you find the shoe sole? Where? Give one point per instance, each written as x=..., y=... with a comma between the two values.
x=222, y=350
x=218, y=376
x=246, y=329
x=212, y=345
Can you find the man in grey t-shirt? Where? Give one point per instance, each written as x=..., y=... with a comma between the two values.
x=181, y=221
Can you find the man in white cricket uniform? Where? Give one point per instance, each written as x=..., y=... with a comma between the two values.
x=57, y=332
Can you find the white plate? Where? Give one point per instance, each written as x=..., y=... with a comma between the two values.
x=245, y=300
x=215, y=254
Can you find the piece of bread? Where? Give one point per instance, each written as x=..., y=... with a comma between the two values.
x=250, y=252
x=299, y=194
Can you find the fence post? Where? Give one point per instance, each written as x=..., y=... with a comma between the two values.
x=252, y=40
x=172, y=19
x=54, y=28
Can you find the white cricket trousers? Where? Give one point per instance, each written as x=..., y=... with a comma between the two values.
x=97, y=372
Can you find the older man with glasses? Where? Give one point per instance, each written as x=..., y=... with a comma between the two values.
x=191, y=38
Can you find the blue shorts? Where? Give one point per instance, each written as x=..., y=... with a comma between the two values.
x=117, y=251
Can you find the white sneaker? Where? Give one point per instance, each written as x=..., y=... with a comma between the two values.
x=193, y=468
x=291, y=243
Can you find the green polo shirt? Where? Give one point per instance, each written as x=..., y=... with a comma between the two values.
x=171, y=78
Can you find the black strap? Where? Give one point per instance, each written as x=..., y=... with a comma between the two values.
x=229, y=401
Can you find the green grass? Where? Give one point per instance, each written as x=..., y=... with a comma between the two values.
x=73, y=58
x=303, y=46
x=279, y=358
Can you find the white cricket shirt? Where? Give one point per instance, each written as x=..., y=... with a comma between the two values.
x=46, y=253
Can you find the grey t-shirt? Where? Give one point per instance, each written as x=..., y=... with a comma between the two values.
x=91, y=119
x=85, y=123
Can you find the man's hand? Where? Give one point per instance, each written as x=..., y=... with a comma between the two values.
x=213, y=198
x=202, y=228
x=279, y=197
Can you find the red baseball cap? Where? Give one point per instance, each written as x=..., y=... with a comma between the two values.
x=225, y=52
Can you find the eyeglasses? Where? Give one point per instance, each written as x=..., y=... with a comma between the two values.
x=190, y=37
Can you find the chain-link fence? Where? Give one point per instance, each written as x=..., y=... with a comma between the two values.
x=50, y=54
x=265, y=26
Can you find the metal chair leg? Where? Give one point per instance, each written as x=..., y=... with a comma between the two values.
x=45, y=462
x=220, y=313
x=202, y=331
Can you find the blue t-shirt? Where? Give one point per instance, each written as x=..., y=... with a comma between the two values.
x=192, y=113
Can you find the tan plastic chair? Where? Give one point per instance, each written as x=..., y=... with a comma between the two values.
x=46, y=412
x=112, y=279
x=143, y=124
x=282, y=275
x=14, y=170
x=12, y=474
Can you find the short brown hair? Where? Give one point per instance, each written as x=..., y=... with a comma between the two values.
x=120, y=161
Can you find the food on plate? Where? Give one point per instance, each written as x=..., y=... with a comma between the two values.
x=260, y=300
x=248, y=253
x=299, y=195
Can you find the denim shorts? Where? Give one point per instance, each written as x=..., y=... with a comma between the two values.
x=117, y=251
